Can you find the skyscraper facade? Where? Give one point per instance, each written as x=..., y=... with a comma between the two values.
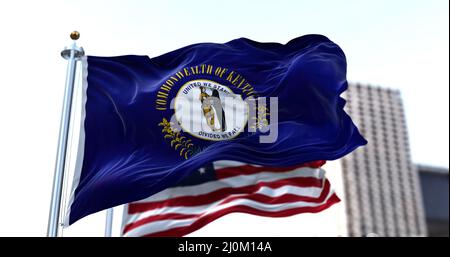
x=434, y=184
x=381, y=184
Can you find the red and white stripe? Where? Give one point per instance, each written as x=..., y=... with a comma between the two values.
x=264, y=191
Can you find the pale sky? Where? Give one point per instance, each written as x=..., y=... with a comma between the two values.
x=399, y=44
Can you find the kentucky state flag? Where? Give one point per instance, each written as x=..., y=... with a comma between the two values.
x=150, y=122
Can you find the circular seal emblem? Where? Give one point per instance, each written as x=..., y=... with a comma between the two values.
x=209, y=110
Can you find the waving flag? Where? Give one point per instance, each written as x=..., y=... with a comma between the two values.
x=150, y=122
x=225, y=187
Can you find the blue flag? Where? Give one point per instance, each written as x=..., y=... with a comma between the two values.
x=150, y=122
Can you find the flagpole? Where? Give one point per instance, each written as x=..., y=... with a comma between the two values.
x=72, y=54
x=109, y=221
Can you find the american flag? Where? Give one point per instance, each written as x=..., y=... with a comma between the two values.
x=224, y=187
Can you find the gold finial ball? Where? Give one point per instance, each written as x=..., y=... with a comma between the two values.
x=75, y=35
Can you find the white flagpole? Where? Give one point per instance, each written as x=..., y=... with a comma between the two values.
x=109, y=221
x=72, y=54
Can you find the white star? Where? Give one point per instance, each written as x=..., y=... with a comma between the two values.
x=202, y=170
